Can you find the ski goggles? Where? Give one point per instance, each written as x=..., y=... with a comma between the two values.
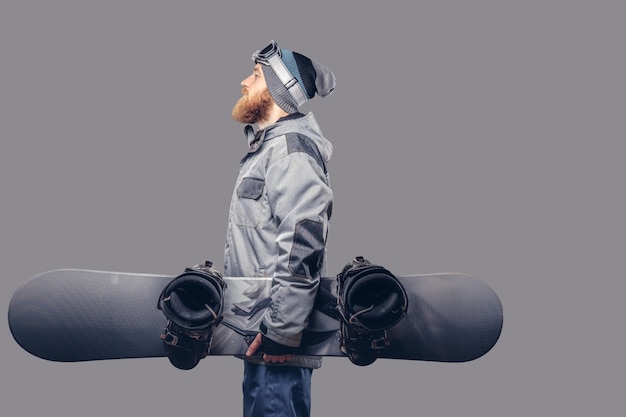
x=271, y=55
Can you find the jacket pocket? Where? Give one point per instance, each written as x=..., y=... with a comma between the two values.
x=250, y=205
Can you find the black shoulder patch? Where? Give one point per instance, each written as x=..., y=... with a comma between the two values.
x=300, y=143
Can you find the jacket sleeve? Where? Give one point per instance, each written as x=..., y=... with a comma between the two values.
x=300, y=199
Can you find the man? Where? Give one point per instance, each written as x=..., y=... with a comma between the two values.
x=278, y=222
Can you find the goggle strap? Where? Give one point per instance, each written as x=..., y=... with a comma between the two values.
x=289, y=81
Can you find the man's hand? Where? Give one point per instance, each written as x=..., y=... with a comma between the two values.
x=256, y=344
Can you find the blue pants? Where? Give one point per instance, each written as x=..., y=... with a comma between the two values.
x=276, y=391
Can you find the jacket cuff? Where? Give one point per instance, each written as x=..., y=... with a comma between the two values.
x=273, y=348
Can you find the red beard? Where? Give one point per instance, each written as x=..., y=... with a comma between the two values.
x=252, y=108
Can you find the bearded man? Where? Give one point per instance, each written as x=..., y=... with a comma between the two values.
x=278, y=223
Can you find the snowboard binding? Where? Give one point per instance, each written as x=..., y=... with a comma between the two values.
x=193, y=304
x=371, y=300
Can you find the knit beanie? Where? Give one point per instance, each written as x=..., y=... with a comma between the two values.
x=312, y=76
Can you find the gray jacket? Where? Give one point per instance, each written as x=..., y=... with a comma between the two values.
x=278, y=222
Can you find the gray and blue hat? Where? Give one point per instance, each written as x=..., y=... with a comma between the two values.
x=292, y=78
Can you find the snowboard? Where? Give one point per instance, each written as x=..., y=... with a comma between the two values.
x=73, y=315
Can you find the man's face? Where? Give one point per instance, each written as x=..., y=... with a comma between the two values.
x=256, y=102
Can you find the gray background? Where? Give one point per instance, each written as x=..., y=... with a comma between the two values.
x=483, y=137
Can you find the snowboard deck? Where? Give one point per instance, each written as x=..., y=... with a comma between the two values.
x=73, y=315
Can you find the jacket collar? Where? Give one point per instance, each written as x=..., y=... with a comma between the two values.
x=256, y=139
